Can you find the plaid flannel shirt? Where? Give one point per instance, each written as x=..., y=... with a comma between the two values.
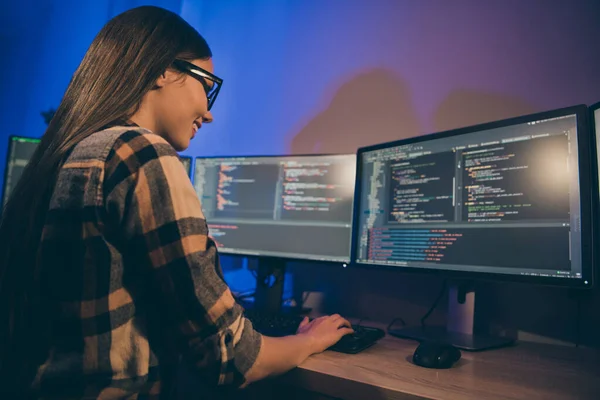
x=134, y=277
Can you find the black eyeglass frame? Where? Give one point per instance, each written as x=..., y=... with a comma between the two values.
x=201, y=75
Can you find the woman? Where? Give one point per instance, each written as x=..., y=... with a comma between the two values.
x=107, y=273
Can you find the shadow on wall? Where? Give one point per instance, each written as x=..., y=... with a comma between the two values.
x=376, y=107
x=467, y=107
x=371, y=108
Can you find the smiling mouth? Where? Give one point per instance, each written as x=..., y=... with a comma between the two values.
x=195, y=127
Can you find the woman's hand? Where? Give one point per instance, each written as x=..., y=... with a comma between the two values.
x=324, y=332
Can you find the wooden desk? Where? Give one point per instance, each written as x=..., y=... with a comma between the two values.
x=524, y=371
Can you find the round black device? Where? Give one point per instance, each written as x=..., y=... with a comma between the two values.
x=436, y=355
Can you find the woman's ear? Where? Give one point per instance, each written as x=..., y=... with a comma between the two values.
x=165, y=78
x=161, y=81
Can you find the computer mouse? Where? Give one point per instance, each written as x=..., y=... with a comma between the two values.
x=436, y=355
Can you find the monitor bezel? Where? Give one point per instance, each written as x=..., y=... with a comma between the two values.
x=592, y=109
x=284, y=256
x=191, y=171
x=596, y=181
x=11, y=138
x=586, y=186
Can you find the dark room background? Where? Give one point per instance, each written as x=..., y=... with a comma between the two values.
x=328, y=76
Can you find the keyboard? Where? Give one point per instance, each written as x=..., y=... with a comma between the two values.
x=278, y=325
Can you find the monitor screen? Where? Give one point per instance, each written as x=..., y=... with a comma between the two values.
x=20, y=150
x=506, y=198
x=297, y=207
x=595, y=113
x=596, y=118
x=187, y=164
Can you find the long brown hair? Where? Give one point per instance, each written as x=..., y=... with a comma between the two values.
x=122, y=64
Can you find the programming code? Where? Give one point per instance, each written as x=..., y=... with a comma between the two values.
x=525, y=180
x=245, y=191
x=316, y=191
x=480, y=247
x=422, y=189
x=294, y=206
x=376, y=184
x=330, y=243
x=501, y=200
x=410, y=244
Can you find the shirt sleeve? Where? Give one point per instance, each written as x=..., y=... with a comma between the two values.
x=152, y=198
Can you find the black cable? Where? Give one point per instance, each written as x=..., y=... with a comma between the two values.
x=428, y=313
x=435, y=303
x=578, y=322
x=393, y=322
x=360, y=321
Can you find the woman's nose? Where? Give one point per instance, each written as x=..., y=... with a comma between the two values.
x=207, y=118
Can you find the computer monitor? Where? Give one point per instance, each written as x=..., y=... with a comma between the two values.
x=20, y=150
x=286, y=207
x=595, y=123
x=187, y=164
x=507, y=200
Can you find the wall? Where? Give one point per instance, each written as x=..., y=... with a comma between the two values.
x=42, y=42
x=330, y=76
x=353, y=73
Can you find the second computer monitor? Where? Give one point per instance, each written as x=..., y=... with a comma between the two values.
x=508, y=200
x=296, y=207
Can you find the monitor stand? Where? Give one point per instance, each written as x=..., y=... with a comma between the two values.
x=459, y=330
x=270, y=277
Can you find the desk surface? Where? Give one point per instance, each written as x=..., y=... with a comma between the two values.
x=384, y=371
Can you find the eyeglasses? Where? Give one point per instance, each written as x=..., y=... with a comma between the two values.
x=202, y=76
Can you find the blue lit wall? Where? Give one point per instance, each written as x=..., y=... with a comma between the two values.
x=310, y=76
x=328, y=75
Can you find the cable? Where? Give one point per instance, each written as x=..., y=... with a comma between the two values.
x=393, y=322
x=578, y=322
x=435, y=303
x=360, y=321
x=427, y=314
x=580, y=298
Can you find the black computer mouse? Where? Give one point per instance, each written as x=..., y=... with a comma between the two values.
x=436, y=355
